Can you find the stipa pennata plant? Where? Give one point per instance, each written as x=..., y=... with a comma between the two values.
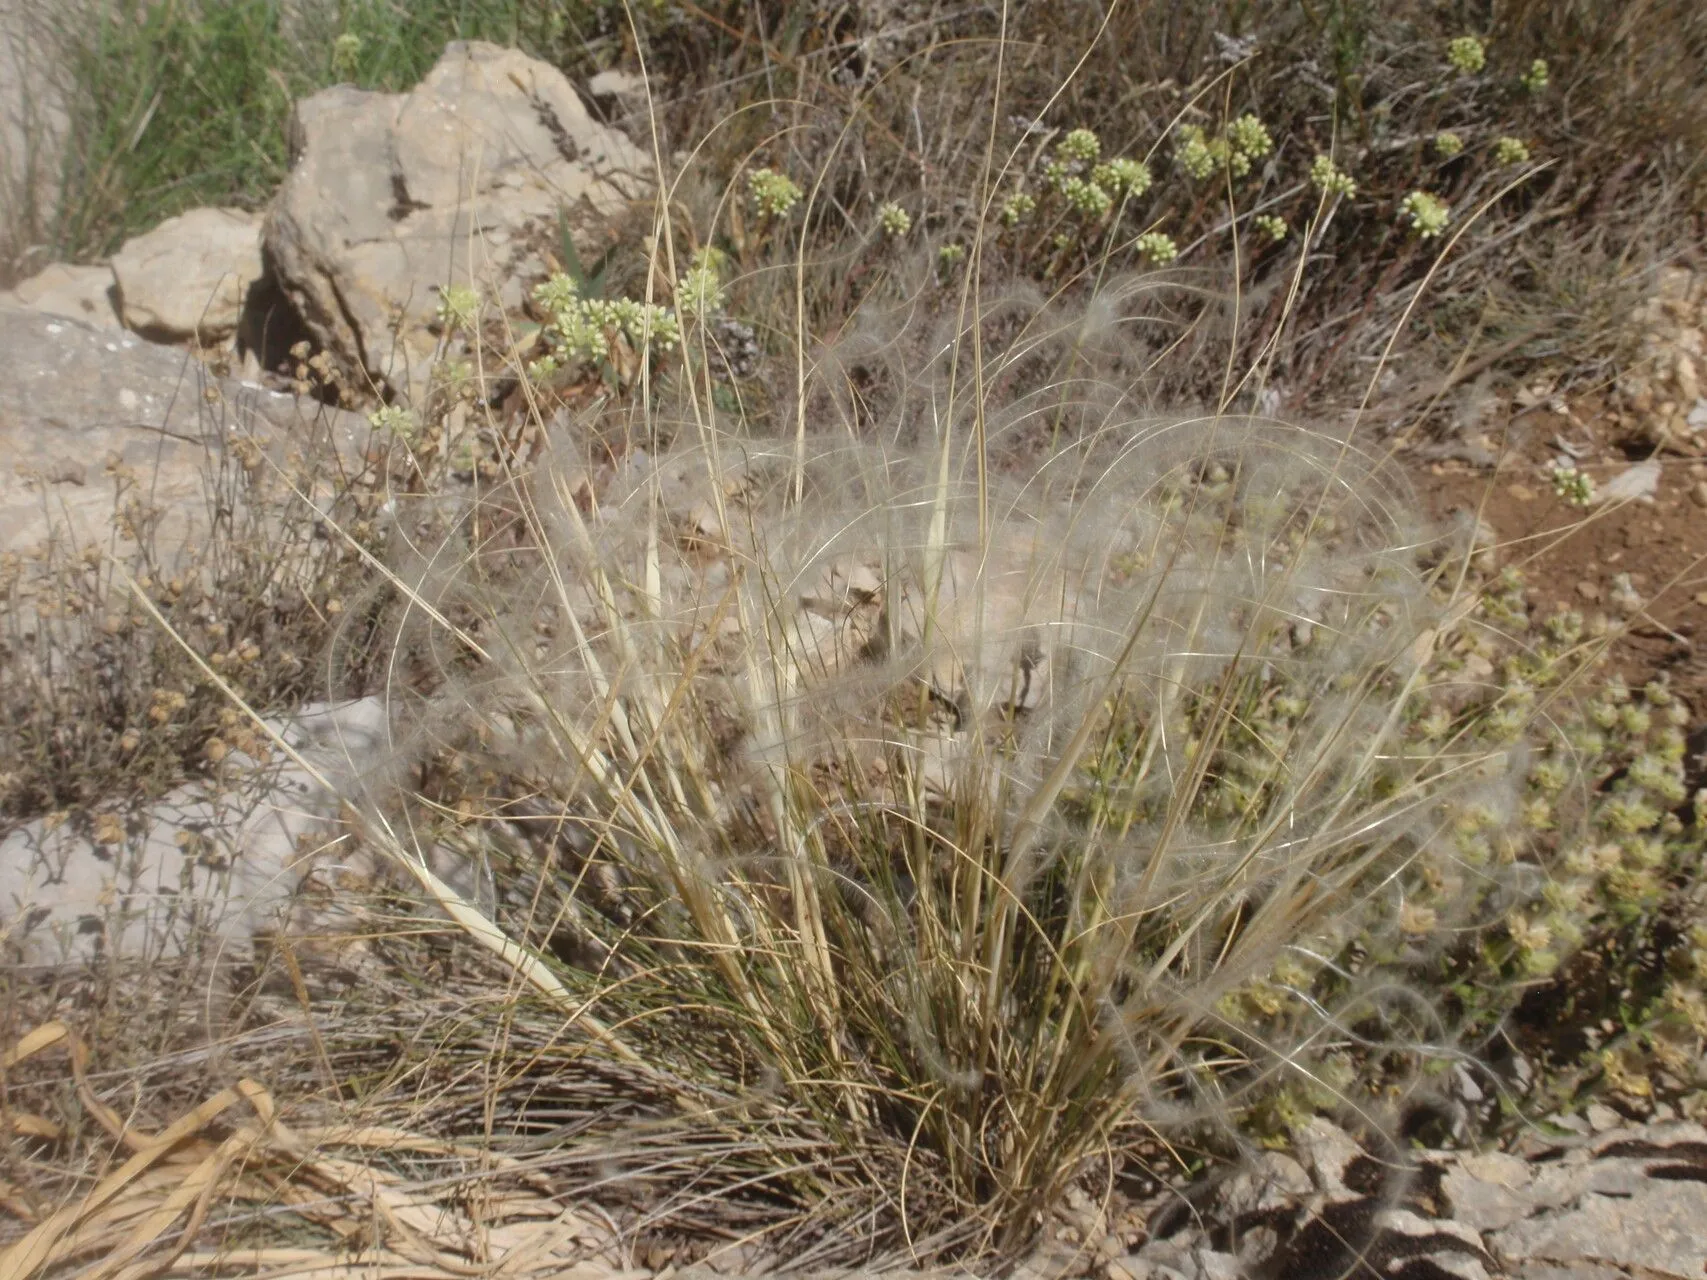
x=995, y=818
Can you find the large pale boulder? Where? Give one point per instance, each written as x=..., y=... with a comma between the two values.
x=460, y=181
x=188, y=277
x=71, y=292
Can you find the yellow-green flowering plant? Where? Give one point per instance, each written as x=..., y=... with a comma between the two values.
x=1466, y=55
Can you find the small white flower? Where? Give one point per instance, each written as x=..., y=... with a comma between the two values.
x=1129, y=178
x=1572, y=486
x=1017, y=208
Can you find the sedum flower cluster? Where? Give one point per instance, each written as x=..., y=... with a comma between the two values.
x=1511, y=151
x=394, y=420
x=1018, y=208
x=1571, y=486
x=1080, y=146
x=1122, y=177
x=1085, y=197
x=1157, y=248
x=459, y=308
x=894, y=220
x=774, y=194
x=1330, y=179
x=1427, y=214
x=700, y=290
x=583, y=329
x=1087, y=187
x=1245, y=140
x=1466, y=55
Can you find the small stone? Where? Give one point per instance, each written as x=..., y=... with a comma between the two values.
x=1698, y=493
x=1688, y=382
x=1630, y=484
x=1601, y=1117
x=1328, y=1150
x=1588, y=590
x=1521, y=493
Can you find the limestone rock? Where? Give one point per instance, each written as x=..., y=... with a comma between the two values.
x=1633, y=1200
x=210, y=862
x=71, y=397
x=1620, y=1203
x=187, y=278
x=71, y=292
x=392, y=197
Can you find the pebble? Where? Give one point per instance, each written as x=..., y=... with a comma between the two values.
x=1588, y=590
x=1688, y=384
x=1698, y=494
x=1601, y=1117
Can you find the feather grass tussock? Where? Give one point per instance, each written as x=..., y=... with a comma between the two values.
x=886, y=796
x=953, y=811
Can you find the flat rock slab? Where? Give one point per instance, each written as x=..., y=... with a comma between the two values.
x=88, y=294
x=72, y=397
x=216, y=861
x=1626, y=1202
